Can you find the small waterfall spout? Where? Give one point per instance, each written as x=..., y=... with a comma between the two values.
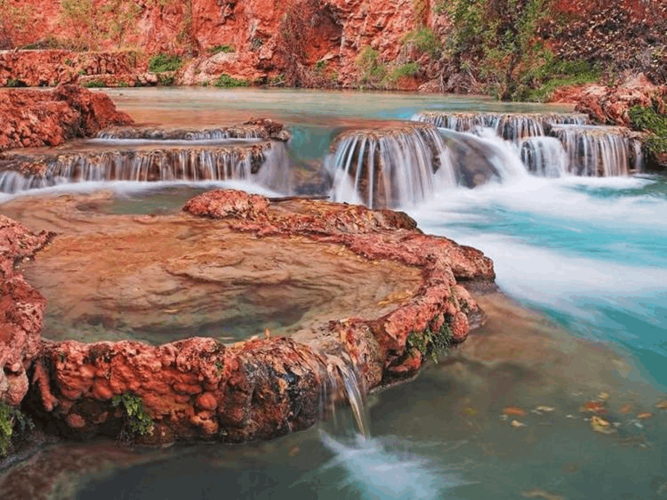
x=595, y=151
x=342, y=384
x=510, y=126
x=544, y=156
x=389, y=167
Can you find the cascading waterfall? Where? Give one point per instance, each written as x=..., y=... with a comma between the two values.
x=544, y=156
x=586, y=150
x=389, y=168
x=265, y=163
x=510, y=126
x=595, y=151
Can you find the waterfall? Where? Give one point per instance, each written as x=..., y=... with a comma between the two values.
x=189, y=165
x=585, y=150
x=595, y=151
x=162, y=134
x=544, y=156
x=389, y=168
x=510, y=126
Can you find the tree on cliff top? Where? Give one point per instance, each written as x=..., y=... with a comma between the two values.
x=499, y=37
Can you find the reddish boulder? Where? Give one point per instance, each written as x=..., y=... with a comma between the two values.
x=611, y=105
x=21, y=310
x=31, y=118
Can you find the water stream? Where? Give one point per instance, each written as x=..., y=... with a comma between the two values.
x=580, y=249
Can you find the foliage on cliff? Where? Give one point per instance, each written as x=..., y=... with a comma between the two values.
x=652, y=120
x=514, y=49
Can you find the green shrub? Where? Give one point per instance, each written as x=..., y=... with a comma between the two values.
x=98, y=84
x=425, y=40
x=163, y=62
x=225, y=49
x=540, y=83
x=228, y=82
x=166, y=80
x=371, y=69
x=408, y=69
x=137, y=420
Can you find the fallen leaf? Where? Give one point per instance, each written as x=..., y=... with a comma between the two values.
x=593, y=407
x=516, y=424
x=514, y=411
x=294, y=451
x=603, y=396
x=545, y=409
x=662, y=405
x=644, y=415
x=626, y=408
x=602, y=426
x=469, y=410
x=539, y=493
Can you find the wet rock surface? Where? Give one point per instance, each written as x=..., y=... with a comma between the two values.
x=21, y=309
x=203, y=388
x=611, y=104
x=30, y=118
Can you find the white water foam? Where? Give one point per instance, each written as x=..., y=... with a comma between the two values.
x=380, y=470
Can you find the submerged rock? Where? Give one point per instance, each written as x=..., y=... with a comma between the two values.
x=202, y=388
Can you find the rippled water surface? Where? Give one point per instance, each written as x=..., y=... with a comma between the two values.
x=584, y=262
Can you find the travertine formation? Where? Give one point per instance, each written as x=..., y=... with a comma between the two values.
x=203, y=388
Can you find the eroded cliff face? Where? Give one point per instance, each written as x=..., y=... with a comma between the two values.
x=320, y=43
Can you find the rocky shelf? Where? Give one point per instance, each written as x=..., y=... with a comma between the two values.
x=374, y=295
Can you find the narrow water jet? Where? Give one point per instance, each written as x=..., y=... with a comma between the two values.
x=544, y=156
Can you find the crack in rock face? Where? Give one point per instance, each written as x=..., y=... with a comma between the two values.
x=373, y=294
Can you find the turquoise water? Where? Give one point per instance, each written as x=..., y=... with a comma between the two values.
x=590, y=255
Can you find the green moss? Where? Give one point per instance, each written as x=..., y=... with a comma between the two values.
x=429, y=342
x=9, y=417
x=137, y=420
x=321, y=66
x=94, y=84
x=15, y=83
x=648, y=119
x=225, y=49
x=163, y=62
x=228, y=82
